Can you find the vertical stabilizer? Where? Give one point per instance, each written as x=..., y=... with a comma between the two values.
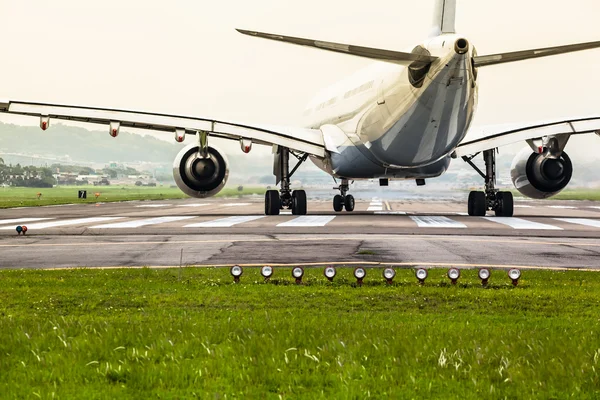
x=444, y=17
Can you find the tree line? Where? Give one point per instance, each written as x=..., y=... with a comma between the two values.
x=27, y=176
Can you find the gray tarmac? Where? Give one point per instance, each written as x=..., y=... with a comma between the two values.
x=548, y=234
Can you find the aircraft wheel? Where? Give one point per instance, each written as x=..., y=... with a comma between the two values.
x=477, y=204
x=272, y=202
x=338, y=203
x=299, y=202
x=505, y=207
x=349, y=203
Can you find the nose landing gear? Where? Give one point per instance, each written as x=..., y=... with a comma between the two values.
x=343, y=200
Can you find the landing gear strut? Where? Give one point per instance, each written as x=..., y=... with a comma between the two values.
x=491, y=199
x=275, y=201
x=343, y=200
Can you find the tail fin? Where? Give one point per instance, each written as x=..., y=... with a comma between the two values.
x=444, y=17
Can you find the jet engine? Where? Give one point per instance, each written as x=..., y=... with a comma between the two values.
x=200, y=177
x=538, y=176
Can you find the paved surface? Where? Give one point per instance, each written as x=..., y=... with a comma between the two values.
x=225, y=231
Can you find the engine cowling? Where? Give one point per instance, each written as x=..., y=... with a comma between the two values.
x=200, y=177
x=539, y=177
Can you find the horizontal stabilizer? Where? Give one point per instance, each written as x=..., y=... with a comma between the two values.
x=368, y=52
x=484, y=61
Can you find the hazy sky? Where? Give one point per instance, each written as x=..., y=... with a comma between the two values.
x=184, y=56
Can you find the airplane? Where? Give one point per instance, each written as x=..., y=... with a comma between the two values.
x=404, y=117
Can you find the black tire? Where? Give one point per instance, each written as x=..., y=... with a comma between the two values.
x=506, y=205
x=477, y=204
x=349, y=203
x=338, y=203
x=299, y=202
x=272, y=202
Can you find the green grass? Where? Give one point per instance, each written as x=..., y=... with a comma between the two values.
x=573, y=194
x=28, y=197
x=192, y=333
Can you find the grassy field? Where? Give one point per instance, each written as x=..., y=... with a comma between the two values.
x=188, y=332
x=27, y=197
x=572, y=194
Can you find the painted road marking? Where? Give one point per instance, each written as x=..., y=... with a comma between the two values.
x=597, y=208
x=376, y=205
x=20, y=220
x=193, y=205
x=563, y=207
x=55, y=224
x=581, y=221
x=522, y=206
x=153, y=205
x=226, y=222
x=140, y=222
x=236, y=204
x=308, y=221
x=436, y=222
x=390, y=213
x=519, y=223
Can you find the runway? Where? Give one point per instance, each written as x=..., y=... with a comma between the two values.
x=235, y=231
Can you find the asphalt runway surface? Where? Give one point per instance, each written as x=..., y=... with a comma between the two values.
x=542, y=234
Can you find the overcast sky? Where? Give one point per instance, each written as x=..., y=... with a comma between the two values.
x=184, y=56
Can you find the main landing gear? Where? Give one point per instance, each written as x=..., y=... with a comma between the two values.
x=343, y=200
x=491, y=199
x=277, y=200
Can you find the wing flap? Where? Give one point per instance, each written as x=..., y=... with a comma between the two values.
x=494, y=137
x=359, y=51
x=300, y=139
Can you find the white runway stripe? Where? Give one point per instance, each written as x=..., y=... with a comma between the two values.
x=236, y=204
x=153, y=205
x=437, y=222
x=376, y=205
x=522, y=206
x=226, y=222
x=390, y=213
x=375, y=208
x=21, y=220
x=192, y=205
x=55, y=224
x=141, y=222
x=563, y=207
x=581, y=221
x=597, y=208
x=519, y=223
x=308, y=221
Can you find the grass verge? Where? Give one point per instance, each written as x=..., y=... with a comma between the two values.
x=28, y=197
x=192, y=333
x=572, y=194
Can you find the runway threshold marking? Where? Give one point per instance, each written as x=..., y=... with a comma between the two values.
x=376, y=205
x=226, y=222
x=308, y=221
x=141, y=222
x=21, y=220
x=436, y=222
x=519, y=223
x=581, y=221
x=79, y=221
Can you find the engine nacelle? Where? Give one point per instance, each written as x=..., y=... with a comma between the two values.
x=200, y=177
x=539, y=177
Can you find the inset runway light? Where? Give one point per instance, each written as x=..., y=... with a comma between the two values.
x=330, y=273
x=484, y=275
x=266, y=272
x=359, y=274
x=389, y=274
x=236, y=271
x=454, y=274
x=421, y=275
x=298, y=273
x=514, y=274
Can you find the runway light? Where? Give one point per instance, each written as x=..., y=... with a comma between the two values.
x=421, y=275
x=359, y=274
x=298, y=273
x=484, y=275
x=236, y=271
x=24, y=229
x=454, y=274
x=514, y=274
x=266, y=272
x=19, y=229
x=389, y=274
x=330, y=273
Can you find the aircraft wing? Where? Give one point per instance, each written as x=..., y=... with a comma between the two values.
x=303, y=140
x=487, y=138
